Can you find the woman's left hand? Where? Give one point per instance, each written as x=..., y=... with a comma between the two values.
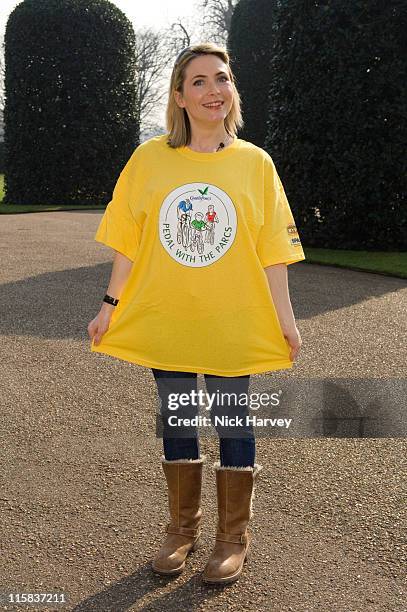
x=294, y=340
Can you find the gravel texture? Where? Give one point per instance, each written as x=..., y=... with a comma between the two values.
x=83, y=498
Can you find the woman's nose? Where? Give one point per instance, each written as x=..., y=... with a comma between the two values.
x=213, y=87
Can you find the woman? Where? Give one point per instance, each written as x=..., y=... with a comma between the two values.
x=224, y=312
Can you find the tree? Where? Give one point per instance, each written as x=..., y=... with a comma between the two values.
x=156, y=52
x=153, y=58
x=216, y=19
x=251, y=39
x=70, y=113
x=337, y=120
x=2, y=77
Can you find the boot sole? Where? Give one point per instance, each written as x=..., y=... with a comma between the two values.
x=173, y=572
x=176, y=570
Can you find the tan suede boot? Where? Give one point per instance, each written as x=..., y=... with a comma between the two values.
x=235, y=492
x=184, y=480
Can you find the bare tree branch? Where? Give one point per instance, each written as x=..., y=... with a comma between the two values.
x=152, y=60
x=217, y=18
x=155, y=54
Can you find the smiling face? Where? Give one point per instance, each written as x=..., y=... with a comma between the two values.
x=206, y=80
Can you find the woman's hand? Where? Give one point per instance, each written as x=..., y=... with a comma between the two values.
x=293, y=337
x=100, y=323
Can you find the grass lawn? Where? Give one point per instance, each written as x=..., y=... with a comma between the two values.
x=13, y=209
x=393, y=264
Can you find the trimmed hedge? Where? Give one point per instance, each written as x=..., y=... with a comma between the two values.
x=70, y=115
x=334, y=120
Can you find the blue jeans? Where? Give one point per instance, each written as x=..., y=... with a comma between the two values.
x=236, y=451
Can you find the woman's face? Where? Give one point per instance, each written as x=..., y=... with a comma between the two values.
x=206, y=80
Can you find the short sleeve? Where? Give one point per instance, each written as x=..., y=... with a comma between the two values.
x=278, y=239
x=118, y=228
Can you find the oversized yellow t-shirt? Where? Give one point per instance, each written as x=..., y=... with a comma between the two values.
x=200, y=228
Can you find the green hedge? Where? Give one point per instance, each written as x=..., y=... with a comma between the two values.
x=323, y=92
x=71, y=120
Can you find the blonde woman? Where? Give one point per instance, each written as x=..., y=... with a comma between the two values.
x=223, y=311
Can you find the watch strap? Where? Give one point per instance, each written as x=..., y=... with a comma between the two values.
x=111, y=300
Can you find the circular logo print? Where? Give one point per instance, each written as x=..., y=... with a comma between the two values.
x=197, y=224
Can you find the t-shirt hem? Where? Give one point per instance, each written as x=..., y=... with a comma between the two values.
x=270, y=367
x=287, y=261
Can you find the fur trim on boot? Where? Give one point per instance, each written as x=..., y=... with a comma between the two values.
x=201, y=458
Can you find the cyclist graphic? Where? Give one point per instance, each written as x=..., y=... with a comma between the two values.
x=211, y=218
x=184, y=209
x=198, y=225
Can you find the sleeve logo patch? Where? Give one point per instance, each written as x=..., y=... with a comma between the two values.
x=291, y=229
x=295, y=241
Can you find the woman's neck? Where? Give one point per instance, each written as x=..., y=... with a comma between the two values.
x=211, y=143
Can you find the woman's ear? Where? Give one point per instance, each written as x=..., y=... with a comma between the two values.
x=178, y=99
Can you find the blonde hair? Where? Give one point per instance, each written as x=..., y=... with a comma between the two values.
x=178, y=125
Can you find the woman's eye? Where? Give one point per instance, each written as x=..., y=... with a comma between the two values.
x=201, y=81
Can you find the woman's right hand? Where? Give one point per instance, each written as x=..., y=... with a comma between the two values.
x=292, y=335
x=100, y=324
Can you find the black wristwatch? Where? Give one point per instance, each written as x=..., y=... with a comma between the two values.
x=110, y=300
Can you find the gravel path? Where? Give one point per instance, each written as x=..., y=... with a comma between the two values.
x=83, y=501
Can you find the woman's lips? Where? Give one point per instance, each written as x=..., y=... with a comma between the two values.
x=214, y=107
